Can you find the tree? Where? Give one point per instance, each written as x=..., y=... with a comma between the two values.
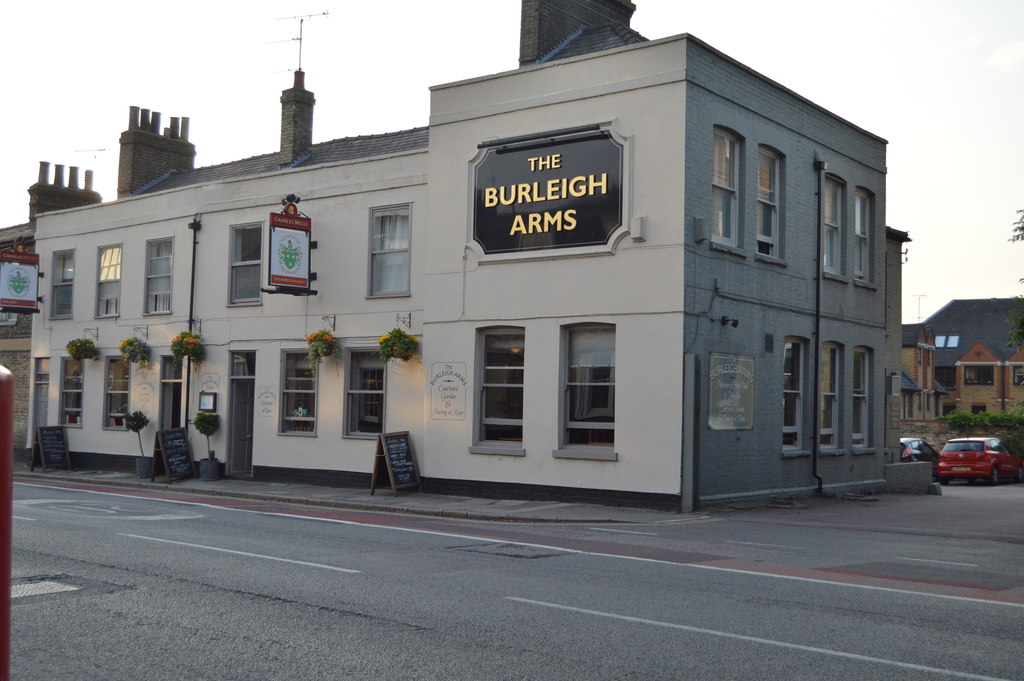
x=1017, y=317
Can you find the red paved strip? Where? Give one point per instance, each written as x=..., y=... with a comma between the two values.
x=915, y=579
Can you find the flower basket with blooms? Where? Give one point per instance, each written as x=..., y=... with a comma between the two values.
x=321, y=344
x=397, y=344
x=188, y=344
x=135, y=350
x=83, y=348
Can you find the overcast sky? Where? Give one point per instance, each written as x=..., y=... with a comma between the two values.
x=942, y=81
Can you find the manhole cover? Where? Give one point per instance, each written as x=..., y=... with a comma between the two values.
x=513, y=550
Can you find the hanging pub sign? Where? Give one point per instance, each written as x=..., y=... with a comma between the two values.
x=549, y=191
x=290, y=245
x=19, y=280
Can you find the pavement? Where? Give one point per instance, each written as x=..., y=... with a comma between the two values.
x=953, y=513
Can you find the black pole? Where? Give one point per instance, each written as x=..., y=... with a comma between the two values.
x=195, y=226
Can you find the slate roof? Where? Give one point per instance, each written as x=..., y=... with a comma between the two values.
x=911, y=332
x=345, y=149
x=908, y=384
x=8, y=235
x=590, y=39
x=974, y=320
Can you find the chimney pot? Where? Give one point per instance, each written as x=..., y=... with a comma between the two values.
x=133, y=118
x=175, y=123
x=300, y=80
x=155, y=123
x=44, y=172
x=58, y=175
x=88, y=180
x=184, y=128
x=73, y=177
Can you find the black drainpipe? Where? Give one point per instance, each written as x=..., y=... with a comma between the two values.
x=820, y=167
x=195, y=226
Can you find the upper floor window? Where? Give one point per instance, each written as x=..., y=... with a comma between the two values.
x=63, y=284
x=246, y=254
x=767, y=202
x=116, y=392
x=979, y=375
x=792, y=394
x=504, y=361
x=158, y=275
x=389, y=251
x=365, y=394
x=831, y=237
x=1018, y=375
x=946, y=376
x=862, y=234
x=590, y=385
x=828, y=424
x=108, y=289
x=724, y=188
x=861, y=411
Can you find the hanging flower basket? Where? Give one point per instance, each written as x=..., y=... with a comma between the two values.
x=397, y=344
x=188, y=344
x=321, y=344
x=135, y=350
x=83, y=348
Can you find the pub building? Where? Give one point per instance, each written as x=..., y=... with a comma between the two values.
x=638, y=272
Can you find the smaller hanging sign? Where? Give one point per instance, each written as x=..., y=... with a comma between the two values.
x=290, y=246
x=19, y=280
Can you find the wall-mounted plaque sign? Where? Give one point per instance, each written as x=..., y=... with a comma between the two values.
x=561, y=191
x=731, y=392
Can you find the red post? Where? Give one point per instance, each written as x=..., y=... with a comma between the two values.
x=6, y=509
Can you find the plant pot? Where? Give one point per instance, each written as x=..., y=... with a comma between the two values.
x=209, y=469
x=144, y=467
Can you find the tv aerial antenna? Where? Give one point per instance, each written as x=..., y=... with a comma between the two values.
x=302, y=20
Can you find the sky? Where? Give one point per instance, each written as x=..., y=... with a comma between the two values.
x=942, y=82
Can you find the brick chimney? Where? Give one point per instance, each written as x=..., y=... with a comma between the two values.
x=296, y=121
x=545, y=24
x=147, y=155
x=45, y=196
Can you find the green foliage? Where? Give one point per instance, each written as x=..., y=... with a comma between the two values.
x=1016, y=322
x=397, y=344
x=962, y=419
x=136, y=421
x=206, y=423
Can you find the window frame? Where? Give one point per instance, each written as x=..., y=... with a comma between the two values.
x=296, y=359
x=238, y=265
x=725, y=188
x=829, y=386
x=60, y=283
x=768, y=201
x=8, y=318
x=151, y=308
x=832, y=224
x=971, y=372
x=111, y=417
x=793, y=387
x=115, y=282
x=485, y=372
x=1017, y=379
x=862, y=222
x=67, y=412
x=376, y=254
x=602, y=450
x=860, y=395
x=355, y=396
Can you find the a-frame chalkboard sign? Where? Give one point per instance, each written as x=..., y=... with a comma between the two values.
x=394, y=459
x=50, y=448
x=172, y=455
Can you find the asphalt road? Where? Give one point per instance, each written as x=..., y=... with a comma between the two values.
x=117, y=586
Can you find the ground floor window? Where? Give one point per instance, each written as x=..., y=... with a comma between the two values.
x=792, y=393
x=829, y=411
x=861, y=412
x=116, y=392
x=590, y=385
x=71, y=383
x=504, y=358
x=365, y=394
x=298, y=394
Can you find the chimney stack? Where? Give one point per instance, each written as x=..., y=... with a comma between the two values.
x=545, y=24
x=45, y=196
x=146, y=155
x=296, y=121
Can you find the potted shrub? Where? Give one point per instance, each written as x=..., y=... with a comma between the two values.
x=83, y=348
x=188, y=344
x=135, y=350
x=397, y=344
x=135, y=422
x=321, y=344
x=207, y=424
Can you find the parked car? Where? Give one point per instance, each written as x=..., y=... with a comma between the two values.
x=973, y=458
x=916, y=449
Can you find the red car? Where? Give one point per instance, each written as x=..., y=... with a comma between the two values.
x=971, y=458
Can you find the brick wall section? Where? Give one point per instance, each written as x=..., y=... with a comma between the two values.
x=936, y=433
x=16, y=355
x=546, y=23
x=146, y=155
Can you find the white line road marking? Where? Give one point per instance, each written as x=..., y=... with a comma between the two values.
x=607, y=529
x=40, y=588
x=939, y=562
x=21, y=517
x=320, y=566
x=762, y=641
x=767, y=546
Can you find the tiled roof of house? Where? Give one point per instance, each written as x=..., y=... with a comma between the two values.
x=334, y=151
x=971, y=321
x=911, y=332
x=593, y=39
x=8, y=235
x=908, y=384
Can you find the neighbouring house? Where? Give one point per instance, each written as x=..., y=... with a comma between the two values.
x=973, y=359
x=639, y=271
x=922, y=393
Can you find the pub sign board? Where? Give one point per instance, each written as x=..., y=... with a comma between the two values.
x=562, y=192
x=19, y=280
x=289, y=248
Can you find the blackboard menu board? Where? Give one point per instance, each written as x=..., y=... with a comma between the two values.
x=395, y=459
x=51, y=448
x=174, y=453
